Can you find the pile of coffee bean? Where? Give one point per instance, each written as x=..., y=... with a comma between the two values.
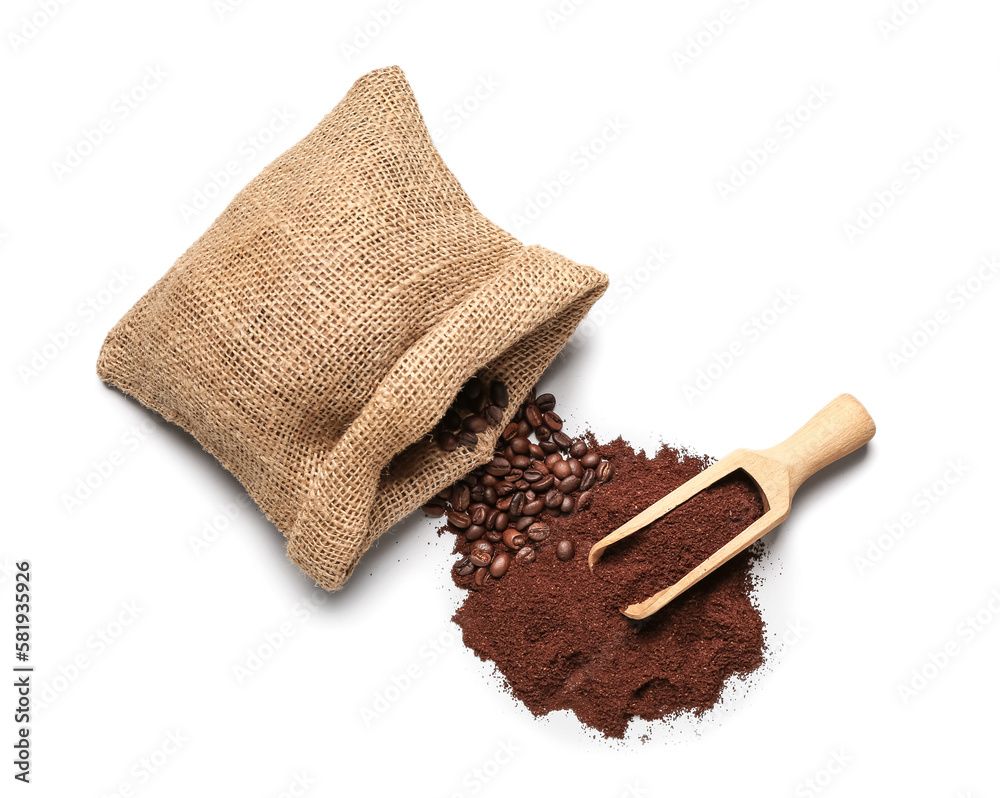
x=538, y=473
x=479, y=405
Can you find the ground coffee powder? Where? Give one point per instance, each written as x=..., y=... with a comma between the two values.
x=554, y=629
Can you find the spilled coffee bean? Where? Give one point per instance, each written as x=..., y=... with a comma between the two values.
x=539, y=532
x=481, y=557
x=477, y=407
x=565, y=550
x=538, y=473
x=500, y=565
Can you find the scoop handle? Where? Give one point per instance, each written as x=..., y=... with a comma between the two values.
x=834, y=432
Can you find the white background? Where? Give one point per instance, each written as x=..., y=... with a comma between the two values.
x=852, y=634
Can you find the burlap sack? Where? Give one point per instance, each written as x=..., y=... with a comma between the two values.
x=316, y=332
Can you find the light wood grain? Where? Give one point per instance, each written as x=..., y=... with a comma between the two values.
x=834, y=432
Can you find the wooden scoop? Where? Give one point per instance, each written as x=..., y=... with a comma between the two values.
x=834, y=432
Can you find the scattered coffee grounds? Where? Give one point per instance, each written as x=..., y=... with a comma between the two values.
x=501, y=510
x=554, y=629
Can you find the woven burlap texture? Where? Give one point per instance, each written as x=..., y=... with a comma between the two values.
x=311, y=338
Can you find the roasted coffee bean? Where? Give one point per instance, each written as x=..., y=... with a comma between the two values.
x=493, y=415
x=458, y=519
x=605, y=471
x=461, y=496
x=534, y=507
x=463, y=403
x=433, y=510
x=516, y=503
x=545, y=483
x=565, y=550
x=498, y=393
x=524, y=481
x=498, y=467
x=482, y=545
x=533, y=416
x=464, y=567
x=553, y=421
x=451, y=420
x=513, y=539
x=500, y=565
x=523, y=523
x=475, y=532
x=570, y=484
x=560, y=469
x=546, y=402
x=562, y=440
x=473, y=388
x=539, y=532
x=446, y=440
x=520, y=458
x=520, y=445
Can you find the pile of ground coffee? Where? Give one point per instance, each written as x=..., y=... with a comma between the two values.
x=554, y=629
